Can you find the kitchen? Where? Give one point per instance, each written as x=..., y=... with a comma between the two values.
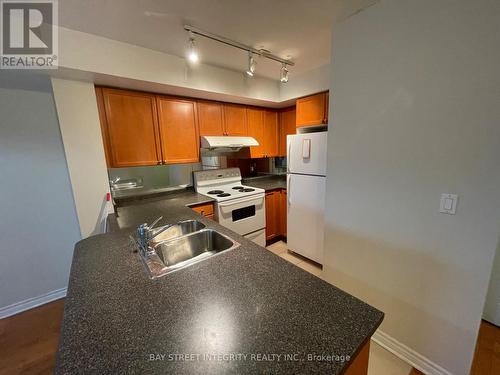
x=227, y=135
x=277, y=191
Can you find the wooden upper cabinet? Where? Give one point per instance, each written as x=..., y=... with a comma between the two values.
x=271, y=133
x=131, y=128
x=256, y=130
x=179, y=136
x=286, y=126
x=235, y=120
x=210, y=118
x=312, y=110
x=104, y=126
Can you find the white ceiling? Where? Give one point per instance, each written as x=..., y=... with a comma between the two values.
x=295, y=29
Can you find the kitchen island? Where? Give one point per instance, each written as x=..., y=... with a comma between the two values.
x=242, y=311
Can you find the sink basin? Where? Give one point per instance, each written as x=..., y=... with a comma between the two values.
x=188, y=249
x=180, y=229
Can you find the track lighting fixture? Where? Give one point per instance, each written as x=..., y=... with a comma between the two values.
x=251, y=64
x=193, y=55
x=283, y=73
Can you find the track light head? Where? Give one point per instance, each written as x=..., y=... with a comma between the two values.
x=283, y=73
x=192, y=53
x=251, y=65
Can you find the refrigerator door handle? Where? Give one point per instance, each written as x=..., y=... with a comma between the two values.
x=289, y=156
x=306, y=149
x=289, y=189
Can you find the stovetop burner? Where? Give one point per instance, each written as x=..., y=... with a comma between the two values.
x=238, y=188
x=215, y=192
x=246, y=190
x=223, y=195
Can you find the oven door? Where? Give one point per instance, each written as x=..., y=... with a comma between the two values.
x=243, y=215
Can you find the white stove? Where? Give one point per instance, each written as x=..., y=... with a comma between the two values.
x=238, y=207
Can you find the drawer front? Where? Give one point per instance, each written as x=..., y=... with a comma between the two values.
x=204, y=209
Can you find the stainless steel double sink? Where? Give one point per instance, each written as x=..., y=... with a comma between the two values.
x=182, y=244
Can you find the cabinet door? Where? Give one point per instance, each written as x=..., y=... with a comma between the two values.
x=311, y=110
x=287, y=126
x=235, y=120
x=177, y=123
x=271, y=134
x=282, y=212
x=256, y=130
x=132, y=128
x=104, y=126
x=210, y=118
x=272, y=205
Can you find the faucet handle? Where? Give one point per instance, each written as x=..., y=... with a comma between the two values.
x=152, y=225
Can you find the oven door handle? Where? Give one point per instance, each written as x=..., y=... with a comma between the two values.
x=240, y=200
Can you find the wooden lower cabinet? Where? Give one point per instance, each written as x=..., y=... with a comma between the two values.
x=276, y=213
x=359, y=364
x=272, y=214
x=205, y=209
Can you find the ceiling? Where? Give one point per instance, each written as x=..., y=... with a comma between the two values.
x=295, y=29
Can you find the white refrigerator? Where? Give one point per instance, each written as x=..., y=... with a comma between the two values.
x=306, y=184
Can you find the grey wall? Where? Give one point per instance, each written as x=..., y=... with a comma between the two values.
x=416, y=113
x=38, y=223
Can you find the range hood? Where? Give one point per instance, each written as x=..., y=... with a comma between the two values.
x=225, y=144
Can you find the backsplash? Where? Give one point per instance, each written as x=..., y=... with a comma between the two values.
x=157, y=177
x=152, y=179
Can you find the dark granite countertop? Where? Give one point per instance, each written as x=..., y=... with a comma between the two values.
x=182, y=197
x=267, y=182
x=239, y=312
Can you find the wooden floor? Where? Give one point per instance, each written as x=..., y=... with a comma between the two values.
x=487, y=356
x=28, y=343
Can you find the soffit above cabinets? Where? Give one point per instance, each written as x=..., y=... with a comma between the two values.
x=301, y=30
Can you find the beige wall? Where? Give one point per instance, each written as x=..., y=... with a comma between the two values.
x=415, y=114
x=311, y=82
x=87, y=56
x=80, y=129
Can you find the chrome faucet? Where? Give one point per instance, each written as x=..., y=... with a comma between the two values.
x=146, y=233
x=114, y=181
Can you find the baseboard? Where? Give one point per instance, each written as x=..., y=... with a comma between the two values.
x=408, y=355
x=30, y=303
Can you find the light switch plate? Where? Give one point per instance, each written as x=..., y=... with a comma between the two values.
x=448, y=204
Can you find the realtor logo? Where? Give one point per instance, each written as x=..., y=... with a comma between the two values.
x=29, y=34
